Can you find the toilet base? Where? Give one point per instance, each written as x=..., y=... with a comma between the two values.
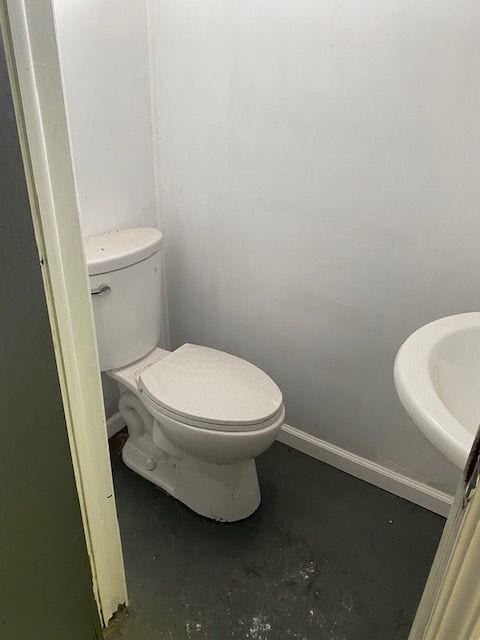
x=225, y=493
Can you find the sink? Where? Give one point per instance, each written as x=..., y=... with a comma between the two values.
x=437, y=376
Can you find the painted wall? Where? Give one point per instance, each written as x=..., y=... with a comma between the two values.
x=105, y=63
x=319, y=172
x=104, y=51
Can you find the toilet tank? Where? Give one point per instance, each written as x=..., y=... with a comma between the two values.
x=125, y=283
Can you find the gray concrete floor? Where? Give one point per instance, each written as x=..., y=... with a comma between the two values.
x=326, y=556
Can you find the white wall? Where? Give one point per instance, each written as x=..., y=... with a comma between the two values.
x=105, y=65
x=104, y=50
x=319, y=171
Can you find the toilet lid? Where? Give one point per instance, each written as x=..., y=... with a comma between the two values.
x=211, y=386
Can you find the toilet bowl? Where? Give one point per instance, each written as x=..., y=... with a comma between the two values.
x=209, y=466
x=197, y=417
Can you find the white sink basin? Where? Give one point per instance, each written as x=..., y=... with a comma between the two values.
x=437, y=376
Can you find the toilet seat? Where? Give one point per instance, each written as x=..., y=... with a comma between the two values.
x=160, y=413
x=210, y=389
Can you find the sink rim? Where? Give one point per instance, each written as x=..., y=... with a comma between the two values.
x=417, y=391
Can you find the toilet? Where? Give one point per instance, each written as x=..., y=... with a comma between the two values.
x=197, y=417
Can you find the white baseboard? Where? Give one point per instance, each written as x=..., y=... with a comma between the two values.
x=371, y=472
x=115, y=424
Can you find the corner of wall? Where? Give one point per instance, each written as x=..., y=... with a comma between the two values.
x=160, y=216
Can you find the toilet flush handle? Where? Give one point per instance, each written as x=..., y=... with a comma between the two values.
x=101, y=290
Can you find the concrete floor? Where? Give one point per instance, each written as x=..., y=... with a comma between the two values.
x=326, y=556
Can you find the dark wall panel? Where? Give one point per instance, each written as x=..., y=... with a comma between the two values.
x=45, y=580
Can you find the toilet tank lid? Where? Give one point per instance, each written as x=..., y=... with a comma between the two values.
x=120, y=248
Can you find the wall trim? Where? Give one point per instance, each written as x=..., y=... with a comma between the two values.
x=372, y=472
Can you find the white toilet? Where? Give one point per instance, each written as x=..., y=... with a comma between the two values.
x=197, y=417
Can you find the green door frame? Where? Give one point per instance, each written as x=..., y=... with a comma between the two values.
x=28, y=28
x=45, y=571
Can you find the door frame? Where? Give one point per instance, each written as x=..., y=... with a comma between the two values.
x=29, y=33
x=450, y=605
